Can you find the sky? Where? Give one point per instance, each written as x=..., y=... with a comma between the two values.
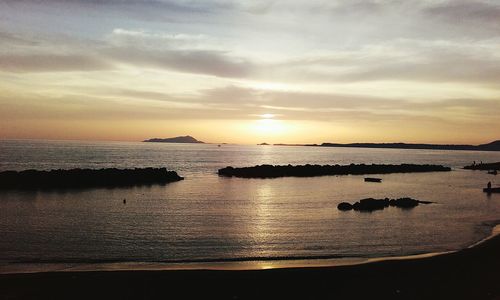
x=307, y=71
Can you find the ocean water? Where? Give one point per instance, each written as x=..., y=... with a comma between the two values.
x=207, y=218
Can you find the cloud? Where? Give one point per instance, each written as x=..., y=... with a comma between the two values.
x=484, y=14
x=216, y=63
x=7, y=38
x=169, y=5
x=401, y=60
x=51, y=63
x=139, y=10
x=188, y=53
x=368, y=118
x=234, y=102
x=134, y=48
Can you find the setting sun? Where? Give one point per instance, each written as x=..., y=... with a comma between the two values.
x=269, y=127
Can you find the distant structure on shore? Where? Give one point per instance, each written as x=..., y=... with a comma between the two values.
x=179, y=139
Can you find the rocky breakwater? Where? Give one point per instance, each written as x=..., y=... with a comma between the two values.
x=85, y=178
x=271, y=171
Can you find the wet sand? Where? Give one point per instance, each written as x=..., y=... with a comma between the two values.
x=471, y=273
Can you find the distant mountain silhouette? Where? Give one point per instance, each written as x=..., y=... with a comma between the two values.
x=493, y=146
x=178, y=139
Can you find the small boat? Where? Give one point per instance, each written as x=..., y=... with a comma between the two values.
x=491, y=190
x=494, y=172
x=372, y=179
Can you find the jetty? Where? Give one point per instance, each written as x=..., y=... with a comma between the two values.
x=85, y=178
x=271, y=171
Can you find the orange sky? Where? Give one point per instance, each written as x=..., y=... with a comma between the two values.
x=251, y=71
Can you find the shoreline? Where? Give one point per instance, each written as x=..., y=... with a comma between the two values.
x=471, y=273
x=13, y=268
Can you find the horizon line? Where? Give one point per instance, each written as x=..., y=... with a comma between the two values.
x=235, y=143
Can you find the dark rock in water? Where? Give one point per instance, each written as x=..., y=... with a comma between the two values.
x=491, y=190
x=85, y=178
x=344, y=206
x=371, y=204
x=373, y=179
x=270, y=171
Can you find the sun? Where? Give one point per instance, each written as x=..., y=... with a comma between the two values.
x=267, y=116
x=268, y=126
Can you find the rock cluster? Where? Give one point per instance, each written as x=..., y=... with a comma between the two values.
x=371, y=204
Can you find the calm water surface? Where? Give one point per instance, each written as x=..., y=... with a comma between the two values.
x=205, y=217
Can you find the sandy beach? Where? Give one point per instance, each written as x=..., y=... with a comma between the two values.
x=467, y=274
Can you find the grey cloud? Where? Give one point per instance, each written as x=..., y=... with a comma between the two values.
x=207, y=62
x=169, y=5
x=420, y=60
x=406, y=60
x=471, y=12
x=7, y=38
x=76, y=55
x=445, y=70
x=142, y=10
x=50, y=63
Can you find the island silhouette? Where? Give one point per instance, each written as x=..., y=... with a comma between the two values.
x=493, y=146
x=178, y=139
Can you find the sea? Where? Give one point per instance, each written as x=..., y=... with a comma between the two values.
x=207, y=219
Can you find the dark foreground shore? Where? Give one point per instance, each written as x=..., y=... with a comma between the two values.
x=468, y=274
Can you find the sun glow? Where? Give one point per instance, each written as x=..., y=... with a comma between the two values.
x=269, y=127
x=267, y=116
